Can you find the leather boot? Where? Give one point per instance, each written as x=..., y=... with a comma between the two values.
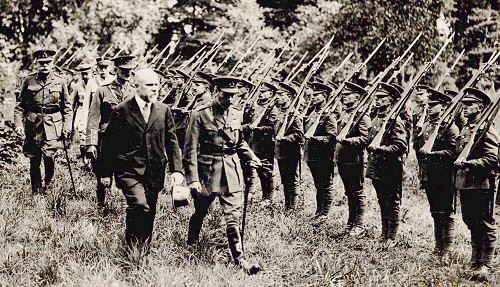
x=293, y=201
x=101, y=195
x=482, y=272
x=352, y=210
x=447, y=233
x=359, y=211
x=234, y=240
x=393, y=225
x=194, y=230
x=476, y=252
x=438, y=234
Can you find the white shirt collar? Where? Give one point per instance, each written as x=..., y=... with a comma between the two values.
x=140, y=102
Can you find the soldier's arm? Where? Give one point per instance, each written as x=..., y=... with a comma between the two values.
x=489, y=151
x=66, y=107
x=93, y=118
x=190, y=159
x=398, y=144
x=331, y=130
x=111, y=139
x=362, y=139
x=296, y=131
x=449, y=140
x=19, y=109
x=171, y=144
x=269, y=124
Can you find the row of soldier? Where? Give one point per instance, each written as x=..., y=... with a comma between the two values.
x=219, y=133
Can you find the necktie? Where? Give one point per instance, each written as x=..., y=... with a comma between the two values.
x=146, y=111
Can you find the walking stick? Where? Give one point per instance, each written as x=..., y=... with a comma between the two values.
x=69, y=165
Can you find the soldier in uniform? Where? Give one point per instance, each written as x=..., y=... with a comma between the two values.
x=319, y=150
x=262, y=139
x=82, y=94
x=459, y=117
x=475, y=181
x=349, y=157
x=103, y=71
x=288, y=150
x=212, y=154
x=44, y=107
x=103, y=103
x=385, y=163
x=436, y=168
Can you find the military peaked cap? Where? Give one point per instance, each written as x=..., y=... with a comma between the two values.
x=124, y=62
x=44, y=55
x=475, y=95
x=436, y=97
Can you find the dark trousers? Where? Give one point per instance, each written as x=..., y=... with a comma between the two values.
x=36, y=174
x=266, y=180
x=140, y=213
x=289, y=172
x=231, y=204
x=322, y=174
x=477, y=213
x=389, y=193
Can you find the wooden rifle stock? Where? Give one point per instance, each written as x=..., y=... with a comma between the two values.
x=448, y=116
x=312, y=129
x=392, y=116
x=485, y=122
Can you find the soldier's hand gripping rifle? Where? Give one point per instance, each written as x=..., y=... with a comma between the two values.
x=365, y=102
x=485, y=122
x=393, y=114
x=333, y=99
x=448, y=116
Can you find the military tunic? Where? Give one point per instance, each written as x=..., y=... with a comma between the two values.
x=288, y=153
x=477, y=185
x=436, y=169
x=82, y=97
x=45, y=107
x=319, y=152
x=385, y=168
x=213, y=150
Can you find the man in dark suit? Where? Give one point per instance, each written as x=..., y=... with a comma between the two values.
x=138, y=144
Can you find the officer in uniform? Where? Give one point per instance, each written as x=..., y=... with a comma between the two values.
x=103, y=71
x=288, y=150
x=385, y=163
x=262, y=138
x=103, y=103
x=212, y=153
x=349, y=157
x=319, y=150
x=436, y=170
x=83, y=91
x=475, y=181
x=43, y=114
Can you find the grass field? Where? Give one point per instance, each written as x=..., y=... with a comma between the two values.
x=61, y=239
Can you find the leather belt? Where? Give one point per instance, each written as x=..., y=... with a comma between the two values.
x=45, y=110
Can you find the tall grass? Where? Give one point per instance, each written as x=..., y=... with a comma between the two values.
x=62, y=239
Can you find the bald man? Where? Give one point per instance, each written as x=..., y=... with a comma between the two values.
x=138, y=145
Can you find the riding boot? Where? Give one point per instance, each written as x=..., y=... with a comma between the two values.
x=195, y=225
x=352, y=211
x=234, y=241
x=101, y=195
x=438, y=233
x=448, y=232
x=359, y=211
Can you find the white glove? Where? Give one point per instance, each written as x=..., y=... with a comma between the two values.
x=177, y=178
x=195, y=185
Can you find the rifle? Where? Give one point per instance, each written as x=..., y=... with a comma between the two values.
x=190, y=60
x=252, y=67
x=173, y=62
x=448, y=71
x=295, y=105
x=64, y=54
x=284, y=65
x=107, y=51
x=337, y=69
x=398, y=72
x=312, y=129
x=121, y=50
x=73, y=56
x=215, y=52
x=245, y=54
x=255, y=123
x=296, y=68
x=365, y=101
x=448, y=116
x=393, y=114
x=231, y=52
x=197, y=65
x=485, y=122
x=158, y=56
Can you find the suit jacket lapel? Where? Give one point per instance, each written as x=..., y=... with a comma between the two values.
x=153, y=116
x=135, y=112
